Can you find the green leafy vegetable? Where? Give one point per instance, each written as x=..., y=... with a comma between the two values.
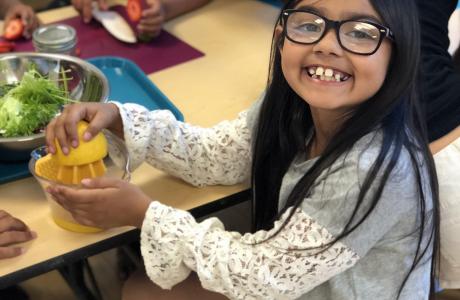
x=4, y=89
x=30, y=105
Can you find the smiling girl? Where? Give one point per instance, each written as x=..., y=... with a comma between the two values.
x=345, y=192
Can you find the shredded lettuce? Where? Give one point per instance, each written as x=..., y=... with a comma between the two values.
x=30, y=105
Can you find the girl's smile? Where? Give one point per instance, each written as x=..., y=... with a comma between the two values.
x=327, y=74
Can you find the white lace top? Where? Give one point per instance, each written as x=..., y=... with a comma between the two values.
x=240, y=267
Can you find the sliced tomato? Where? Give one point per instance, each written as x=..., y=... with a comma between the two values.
x=134, y=10
x=6, y=46
x=14, y=29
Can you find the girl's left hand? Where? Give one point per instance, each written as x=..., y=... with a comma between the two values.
x=27, y=16
x=103, y=202
x=152, y=19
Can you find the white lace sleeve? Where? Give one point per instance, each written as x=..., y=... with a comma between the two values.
x=173, y=244
x=200, y=156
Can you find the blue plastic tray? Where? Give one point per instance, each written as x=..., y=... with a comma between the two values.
x=277, y=3
x=127, y=84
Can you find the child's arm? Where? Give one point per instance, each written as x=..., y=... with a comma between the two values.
x=444, y=141
x=285, y=266
x=173, y=244
x=200, y=156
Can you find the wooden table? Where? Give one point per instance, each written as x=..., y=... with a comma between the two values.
x=235, y=37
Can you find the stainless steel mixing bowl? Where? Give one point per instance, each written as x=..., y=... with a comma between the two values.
x=87, y=83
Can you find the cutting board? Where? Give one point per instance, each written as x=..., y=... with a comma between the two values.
x=164, y=51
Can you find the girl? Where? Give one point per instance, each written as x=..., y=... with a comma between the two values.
x=344, y=186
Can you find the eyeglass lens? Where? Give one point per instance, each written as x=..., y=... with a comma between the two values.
x=355, y=36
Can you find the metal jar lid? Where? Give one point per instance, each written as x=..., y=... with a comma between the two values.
x=55, y=38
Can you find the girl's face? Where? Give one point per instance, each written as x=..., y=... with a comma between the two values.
x=357, y=77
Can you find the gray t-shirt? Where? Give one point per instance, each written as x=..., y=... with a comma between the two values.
x=386, y=241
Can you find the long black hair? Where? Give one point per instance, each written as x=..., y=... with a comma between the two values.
x=285, y=122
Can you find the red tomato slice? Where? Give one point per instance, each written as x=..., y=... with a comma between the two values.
x=6, y=46
x=134, y=10
x=14, y=29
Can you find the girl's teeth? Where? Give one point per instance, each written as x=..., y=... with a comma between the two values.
x=326, y=74
x=319, y=71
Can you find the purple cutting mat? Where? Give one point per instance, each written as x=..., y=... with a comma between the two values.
x=93, y=40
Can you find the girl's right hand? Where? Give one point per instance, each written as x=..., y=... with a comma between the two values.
x=63, y=128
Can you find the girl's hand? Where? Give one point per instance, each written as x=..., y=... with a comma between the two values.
x=27, y=16
x=64, y=127
x=152, y=19
x=103, y=202
x=13, y=231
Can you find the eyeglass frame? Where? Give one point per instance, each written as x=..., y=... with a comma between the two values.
x=385, y=32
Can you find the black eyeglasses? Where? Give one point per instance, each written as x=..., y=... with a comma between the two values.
x=356, y=36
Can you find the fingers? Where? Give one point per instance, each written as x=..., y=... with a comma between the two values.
x=81, y=204
x=11, y=14
x=14, y=237
x=84, y=7
x=66, y=197
x=10, y=223
x=98, y=122
x=86, y=10
x=150, y=26
x=154, y=10
x=13, y=231
x=27, y=16
x=29, y=20
x=71, y=198
x=102, y=4
x=152, y=19
x=83, y=220
x=64, y=127
x=101, y=183
x=50, y=136
x=10, y=252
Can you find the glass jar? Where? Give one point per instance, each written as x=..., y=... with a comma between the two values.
x=55, y=38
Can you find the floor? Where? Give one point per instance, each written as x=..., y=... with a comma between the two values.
x=104, y=265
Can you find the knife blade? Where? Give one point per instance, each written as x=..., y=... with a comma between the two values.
x=115, y=24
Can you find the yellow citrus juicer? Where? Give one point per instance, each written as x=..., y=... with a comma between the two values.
x=85, y=161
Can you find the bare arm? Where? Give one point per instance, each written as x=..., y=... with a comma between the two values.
x=444, y=141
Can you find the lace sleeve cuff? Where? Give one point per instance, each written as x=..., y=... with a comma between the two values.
x=136, y=128
x=241, y=267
